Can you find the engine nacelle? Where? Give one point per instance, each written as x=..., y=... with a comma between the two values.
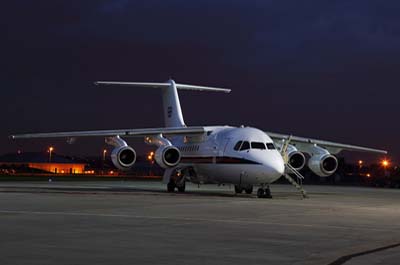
x=295, y=158
x=167, y=156
x=323, y=165
x=123, y=157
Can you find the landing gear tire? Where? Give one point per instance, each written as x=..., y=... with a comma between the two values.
x=182, y=187
x=260, y=193
x=171, y=186
x=238, y=189
x=264, y=193
x=268, y=193
x=249, y=190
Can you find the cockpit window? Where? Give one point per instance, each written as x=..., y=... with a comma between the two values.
x=271, y=146
x=237, y=145
x=257, y=145
x=245, y=146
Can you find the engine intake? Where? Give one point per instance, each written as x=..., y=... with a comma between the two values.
x=123, y=157
x=167, y=156
x=297, y=160
x=323, y=165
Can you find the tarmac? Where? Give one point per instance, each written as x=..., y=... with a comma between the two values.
x=136, y=222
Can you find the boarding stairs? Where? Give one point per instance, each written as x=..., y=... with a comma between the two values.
x=297, y=184
x=291, y=170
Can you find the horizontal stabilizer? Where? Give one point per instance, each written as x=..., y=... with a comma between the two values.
x=163, y=85
x=202, y=88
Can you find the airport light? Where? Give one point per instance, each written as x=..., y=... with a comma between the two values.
x=51, y=149
x=104, y=159
x=360, y=163
x=150, y=157
x=385, y=163
x=104, y=154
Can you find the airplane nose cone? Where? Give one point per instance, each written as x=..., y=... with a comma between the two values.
x=276, y=166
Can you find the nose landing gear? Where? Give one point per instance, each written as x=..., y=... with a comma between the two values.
x=264, y=192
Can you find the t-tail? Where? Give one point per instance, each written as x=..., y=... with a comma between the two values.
x=173, y=116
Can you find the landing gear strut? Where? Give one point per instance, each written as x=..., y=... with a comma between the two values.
x=264, y=192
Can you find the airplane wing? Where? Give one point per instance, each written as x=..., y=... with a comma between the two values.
x=110, y=133
x=302, y=144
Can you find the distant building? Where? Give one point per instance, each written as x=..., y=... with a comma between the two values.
x=57, y=164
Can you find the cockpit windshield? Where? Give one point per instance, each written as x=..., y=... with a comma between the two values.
x=258, y=145
x=245, y=145
x=237, y=145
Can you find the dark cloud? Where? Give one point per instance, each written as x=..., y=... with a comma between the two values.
x=321, y=68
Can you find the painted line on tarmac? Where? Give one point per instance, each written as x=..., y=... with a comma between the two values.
x=344, y=259
x=190, y=219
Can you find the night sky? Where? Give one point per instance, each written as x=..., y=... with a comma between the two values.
x=323, y=69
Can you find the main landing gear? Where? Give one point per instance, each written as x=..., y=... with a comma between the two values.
x=248, y=189
x=180, y=185
x=264, y=192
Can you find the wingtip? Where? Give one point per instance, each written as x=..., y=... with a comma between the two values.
x=11, y=137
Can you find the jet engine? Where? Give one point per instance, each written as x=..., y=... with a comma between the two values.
x=123, y=157
x=167, y=156
x=323, y=165
x=295, y=158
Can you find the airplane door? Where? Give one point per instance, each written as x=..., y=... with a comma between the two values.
x=222, y=150
x=219, y=149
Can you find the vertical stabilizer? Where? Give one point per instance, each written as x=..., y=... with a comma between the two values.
x=173, y=116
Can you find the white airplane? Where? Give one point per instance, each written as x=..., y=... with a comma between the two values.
x=242, y=156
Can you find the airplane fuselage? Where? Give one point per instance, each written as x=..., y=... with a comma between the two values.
x=236, y=155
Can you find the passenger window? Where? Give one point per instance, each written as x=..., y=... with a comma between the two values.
x=271, y=146
x=245, y=146
x=237, y=145
x=258, y=145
